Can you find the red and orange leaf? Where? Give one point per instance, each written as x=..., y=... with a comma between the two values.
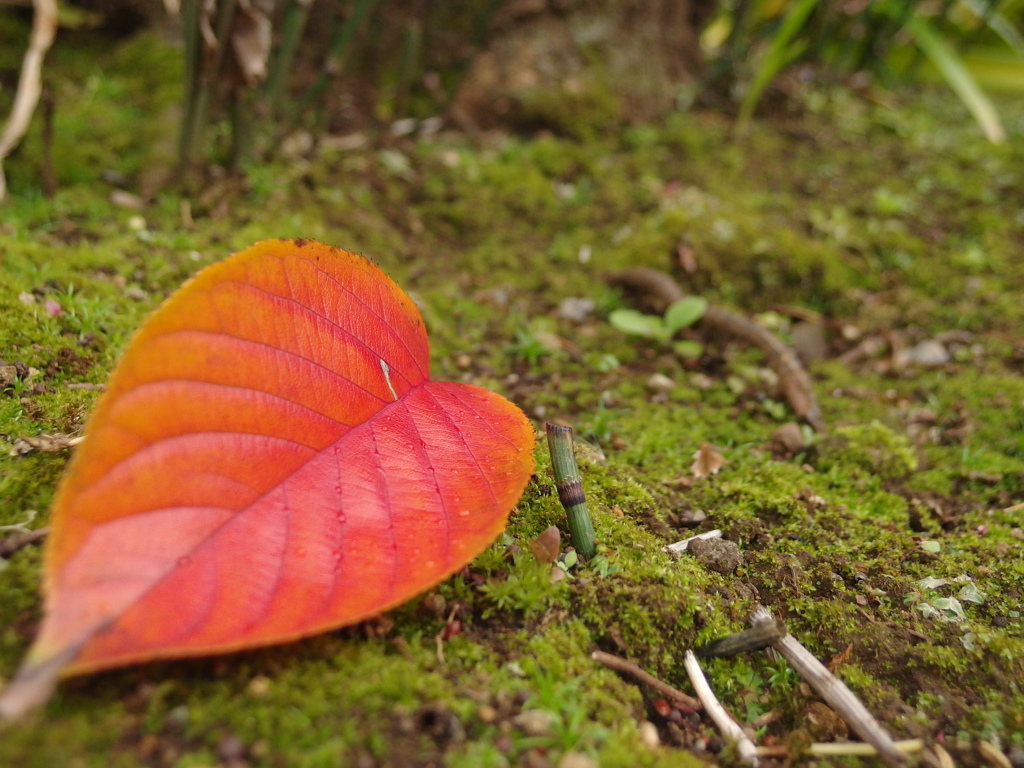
x=270, y=460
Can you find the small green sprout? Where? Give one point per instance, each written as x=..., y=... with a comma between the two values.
x=567, y=561
x=681, y=314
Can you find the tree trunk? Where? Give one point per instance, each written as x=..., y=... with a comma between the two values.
x=573, y=65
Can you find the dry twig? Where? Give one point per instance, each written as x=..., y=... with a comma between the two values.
x=759, y=636
x=793, y=379
x=12, y=543
x=30, y=82
x=860, y=749
x=729, y=727
x=629, y=668
x=681, y=546
x=835, y=693
x=938, y=757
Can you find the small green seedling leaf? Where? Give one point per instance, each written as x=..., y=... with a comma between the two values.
x=637, y=323
x=971, y=594
x=684, y=313
x=688, y=349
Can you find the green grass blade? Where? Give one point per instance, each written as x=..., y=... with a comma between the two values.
x=996, y=70
x=779, y=55
x=998, y=23
x=952, y=68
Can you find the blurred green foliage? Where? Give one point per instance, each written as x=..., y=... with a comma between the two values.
x=877, y=41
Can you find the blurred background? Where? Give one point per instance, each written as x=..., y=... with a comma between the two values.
x=222, y=83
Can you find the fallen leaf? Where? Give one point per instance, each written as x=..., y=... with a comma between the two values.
x=250, y=41
x=546, y=546
x=270, y=460
x=706, y=461
x=840, y=658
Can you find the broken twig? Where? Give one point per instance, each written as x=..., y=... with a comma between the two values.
x=834, y=692
x=12, y=543
x=759, y=636
x=793, y=379
x=729, y=727
x=634, y=670
x=681, y=546
x=859, y=748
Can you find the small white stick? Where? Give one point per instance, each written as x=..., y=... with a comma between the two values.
x=835, y=693
x=680, y=546
x=729, y=728
x=387, y=378
x=993, y=755
x=859, y=748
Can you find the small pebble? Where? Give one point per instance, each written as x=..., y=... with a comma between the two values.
x=649, y=734
x=230, y=748
x=788, y=438
x=126, y=200
x=259, y=686
x=535, y=722
x=716, y=555
x=575, y=308
x=576, y=760
x=135, y=293
x=926, y=353
x=660, y=383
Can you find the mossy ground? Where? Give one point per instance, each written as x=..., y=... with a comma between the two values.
x=884, y=218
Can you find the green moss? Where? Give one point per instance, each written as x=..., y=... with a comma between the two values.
x=892, y=220
x=584, y=111
x=873, y=447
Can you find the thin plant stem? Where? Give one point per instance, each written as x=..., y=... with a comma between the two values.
x=480, y=27
x=241, y=109
x=294, y=23
x=342, y=36
x=570, y=490
x=733, y=49
x=207, y=79
x=193, y=55
x=412, y=44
